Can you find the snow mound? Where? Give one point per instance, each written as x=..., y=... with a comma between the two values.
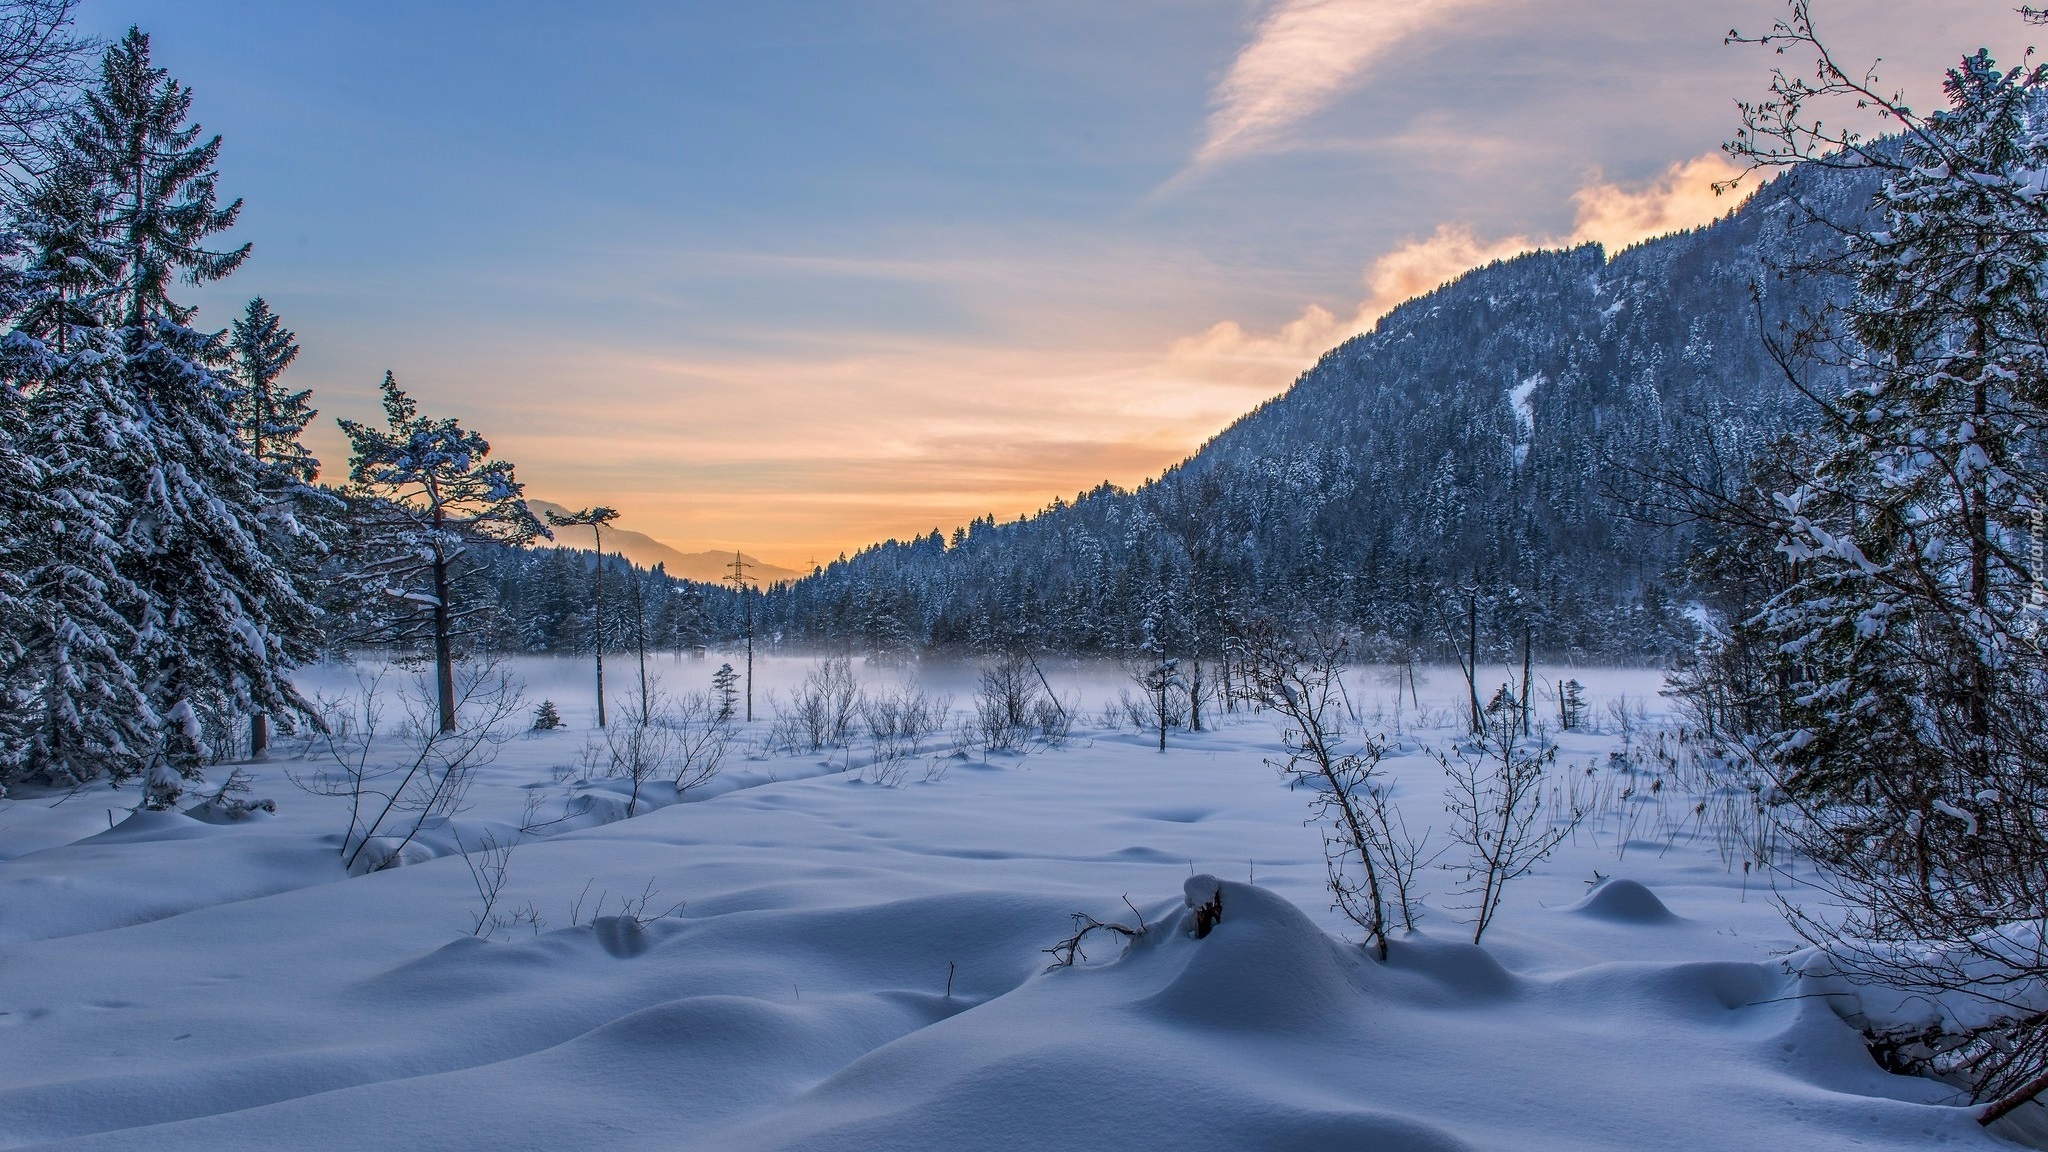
x=1264, y=966
x=1457, y=972
x=146, y=827
x=1625, y=902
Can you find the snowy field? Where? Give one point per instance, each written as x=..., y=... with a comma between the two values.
x=817, y=952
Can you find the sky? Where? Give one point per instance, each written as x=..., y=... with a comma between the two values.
x=801, y=275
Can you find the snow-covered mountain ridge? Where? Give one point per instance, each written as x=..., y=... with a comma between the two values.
x=1480, y=431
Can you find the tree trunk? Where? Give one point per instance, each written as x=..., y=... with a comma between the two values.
x=444, y=645
x=1163, y=682
x=1472, y=661
x=259, y=735
x=597, y=627
x=1526, y=637
x=2025, y=1092
x=640, y=635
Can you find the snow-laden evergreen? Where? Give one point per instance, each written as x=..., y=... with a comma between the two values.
x=158, y=611
x=1906, y=653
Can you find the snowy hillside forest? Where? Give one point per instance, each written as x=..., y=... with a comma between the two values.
x=1603, y=706
x=1486, y=434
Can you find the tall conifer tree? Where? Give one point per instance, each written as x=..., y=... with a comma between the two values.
x=219, y=622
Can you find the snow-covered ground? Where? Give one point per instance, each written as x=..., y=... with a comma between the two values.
x=848, y=964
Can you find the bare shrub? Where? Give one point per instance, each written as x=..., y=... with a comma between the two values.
x=592, y=757
x=1405, y=853
x=1053, y=721
x=1495, y=800
x=821, y=710
x=887, y=773
x=703, y=737
x=1005, y=703
x=489, y=864
x=634, y=909
x=642, y=748
x=1067, y=951
x=348, y=734
x=429, y=779
x=1298, y=677
x=899, y=721
x=658, y=737
x=1136, y=712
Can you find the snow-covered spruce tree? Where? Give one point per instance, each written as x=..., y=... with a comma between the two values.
x=74, y=260
x=725, y=689
x=219, y=622
x=75, y=706
x=1914, y=752
x=271, y=421
x=20, y=477
x=425, y=491
x=75, y=703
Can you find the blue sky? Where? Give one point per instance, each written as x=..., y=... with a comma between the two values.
x=796, y=276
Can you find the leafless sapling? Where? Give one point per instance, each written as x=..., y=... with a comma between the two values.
x=1297, y=677
x=1495, y=800
x=428, y=779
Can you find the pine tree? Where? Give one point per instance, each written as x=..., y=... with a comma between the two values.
x=219, y=623
x=428, y=493
x=725, y=687
x=271, y=419
x=74, y=707
x=1914, y=749
x=595, y=519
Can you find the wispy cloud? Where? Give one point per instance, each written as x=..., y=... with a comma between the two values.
x=1302, y=56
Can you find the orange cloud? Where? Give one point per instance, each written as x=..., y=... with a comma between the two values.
x=1682, y=196
x=803, y=453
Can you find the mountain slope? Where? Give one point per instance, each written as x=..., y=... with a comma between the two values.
x=1477, y=436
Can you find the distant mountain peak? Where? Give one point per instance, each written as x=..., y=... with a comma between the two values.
x=646, y=551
